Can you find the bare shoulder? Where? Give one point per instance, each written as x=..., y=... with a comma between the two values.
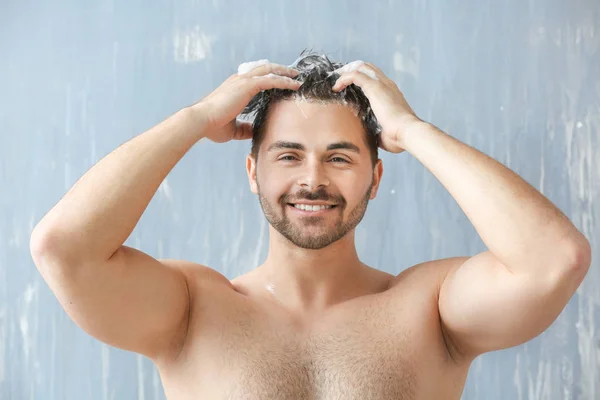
x=422, y=282
x=428, y=273
x=206, y=287
x=196, y=273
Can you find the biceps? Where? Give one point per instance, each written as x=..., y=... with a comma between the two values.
x=484, y=306
x=132, y=301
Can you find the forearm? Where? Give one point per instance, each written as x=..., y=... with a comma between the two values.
x=521, y=227
x=100, y=211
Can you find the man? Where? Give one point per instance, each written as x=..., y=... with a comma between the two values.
x=313, y=321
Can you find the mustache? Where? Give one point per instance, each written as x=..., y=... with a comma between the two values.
x=318, y=195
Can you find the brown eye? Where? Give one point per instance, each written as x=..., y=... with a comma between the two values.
x=340, y=158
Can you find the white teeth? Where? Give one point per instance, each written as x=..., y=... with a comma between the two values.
x=310, y=208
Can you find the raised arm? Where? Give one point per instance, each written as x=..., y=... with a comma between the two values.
x=536, y=259
x=118, y=294
x=115, y=293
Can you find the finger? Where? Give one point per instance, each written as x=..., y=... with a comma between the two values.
x=271, y=68
x=365, y=69
x=243, y=130
x=272, y=81
x=355, y=77
x=377, y=70
x=358, y=65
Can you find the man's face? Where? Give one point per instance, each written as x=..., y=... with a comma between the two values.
x=295, y=165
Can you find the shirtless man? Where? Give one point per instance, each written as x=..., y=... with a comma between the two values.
x=313, y=321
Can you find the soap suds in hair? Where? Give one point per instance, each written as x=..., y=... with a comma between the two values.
x=249, y=66
x=275, y=76
x=357, y=65
x=318, y=74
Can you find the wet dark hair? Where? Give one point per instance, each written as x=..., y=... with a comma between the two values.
x=316, y=73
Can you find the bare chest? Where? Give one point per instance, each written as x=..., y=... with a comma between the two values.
x=370, y=348
x=338, y=364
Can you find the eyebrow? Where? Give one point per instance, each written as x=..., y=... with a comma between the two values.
x=297, y=146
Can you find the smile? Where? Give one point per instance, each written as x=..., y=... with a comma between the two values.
x=311, y=210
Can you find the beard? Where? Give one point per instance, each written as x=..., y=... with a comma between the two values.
x=298, y=231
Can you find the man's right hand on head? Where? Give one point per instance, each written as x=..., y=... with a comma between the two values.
x=221, y=108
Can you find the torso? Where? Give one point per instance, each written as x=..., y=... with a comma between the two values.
x=385, y=345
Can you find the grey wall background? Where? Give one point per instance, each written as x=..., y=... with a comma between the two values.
x=518, y=80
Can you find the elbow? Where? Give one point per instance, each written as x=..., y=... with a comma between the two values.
x=47, y=247
x=38, y=243
x=578, y=260
x=41, y=248
x=581, y=255
x=566, y=280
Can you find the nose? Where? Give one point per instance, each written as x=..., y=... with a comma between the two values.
x=313, y=175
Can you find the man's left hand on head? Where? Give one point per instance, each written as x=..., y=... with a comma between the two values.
x=387, y=101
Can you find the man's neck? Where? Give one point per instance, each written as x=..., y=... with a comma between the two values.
x=306, y=280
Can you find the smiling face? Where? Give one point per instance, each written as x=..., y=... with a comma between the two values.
x=317, y=153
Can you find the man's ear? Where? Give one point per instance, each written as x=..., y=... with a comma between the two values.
x=377, y=174
x=251, y=171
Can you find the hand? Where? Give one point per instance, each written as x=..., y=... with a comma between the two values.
x=221, y=108
x=387, y=102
